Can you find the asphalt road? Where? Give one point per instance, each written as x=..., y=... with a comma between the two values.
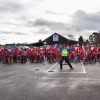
x=47, y=82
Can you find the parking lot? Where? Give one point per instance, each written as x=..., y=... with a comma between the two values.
x=47, y=82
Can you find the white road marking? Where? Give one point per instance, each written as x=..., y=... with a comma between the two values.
x=51, y=67
x=77, y=79
x=47, y=78
x=85, y=79
x=84, y=71
x=69, y=71
x=58, y=71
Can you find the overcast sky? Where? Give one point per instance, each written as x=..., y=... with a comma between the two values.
x=31, y=20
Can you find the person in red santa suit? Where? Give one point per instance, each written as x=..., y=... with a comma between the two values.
x=98, y=53
x=57, y=51
x=95, y=53
x=25, y=55
x=58, y=55
x=76, y=53
x=29, y=52
x=44, y=52
x=5, y=55
x=81, y=49
x=10, y=57
x=72, y=54
x=15, y=55
x=51, y=57
x=84, y=54
x=33, y=55
x=22, y=56
x=0, y=54
x=38, y=55
x=89, y=54
x=41, y=55
x=53, y=54
x=48, y=54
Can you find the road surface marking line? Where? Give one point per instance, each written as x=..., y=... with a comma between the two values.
x=71, y=72
x=82, y=79
x=91, y=79
x=47, y=78
x=51, y=67
x=84, y=71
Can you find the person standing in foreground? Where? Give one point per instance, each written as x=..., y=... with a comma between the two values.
x=64, y=56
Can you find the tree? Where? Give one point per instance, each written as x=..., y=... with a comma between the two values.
x=81, y=39
x=40, y=41
x=95, y=38
x=87, y=41
x=91, y=38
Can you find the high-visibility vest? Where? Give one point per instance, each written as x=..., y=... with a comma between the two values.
x=64, y=52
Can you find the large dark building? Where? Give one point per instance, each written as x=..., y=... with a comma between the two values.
x=57, y=39
x=54, y=39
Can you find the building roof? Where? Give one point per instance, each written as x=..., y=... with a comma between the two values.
x=61, y=40
x=56, y=34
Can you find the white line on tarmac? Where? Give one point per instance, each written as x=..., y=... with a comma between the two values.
x=84, y=71
x=51, y=67
x=86, y=79
x=77, y=79
x=47, y=78
x=71, y=72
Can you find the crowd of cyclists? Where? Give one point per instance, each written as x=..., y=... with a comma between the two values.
x=50, y=54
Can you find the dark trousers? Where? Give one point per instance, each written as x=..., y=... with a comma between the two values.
x=66, y=60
